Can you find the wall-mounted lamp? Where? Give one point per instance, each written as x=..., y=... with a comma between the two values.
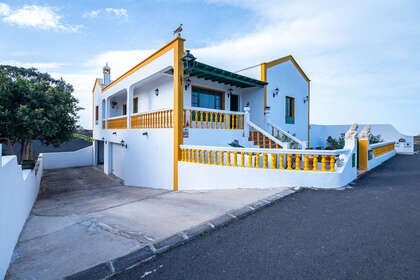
x=157, y=92
x=123, y=143
x=114, y=133
x=275, y=92
x=187, y=83
x=230, y=90
x=113, y=104
x=305, y=99
x=145, y=133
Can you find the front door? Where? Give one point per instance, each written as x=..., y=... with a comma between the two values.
x=234, y=103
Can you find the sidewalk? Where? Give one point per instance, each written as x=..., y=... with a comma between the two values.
x=73, y=231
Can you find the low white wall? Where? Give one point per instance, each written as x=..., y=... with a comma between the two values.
x=82, y=157
x=319, y=134
x=18, y=191
x=194, y=176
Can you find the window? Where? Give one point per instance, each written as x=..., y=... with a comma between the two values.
x=290, y=110
x=207, y=98
x=124, y=109
x=135, y=105
x=96, y=114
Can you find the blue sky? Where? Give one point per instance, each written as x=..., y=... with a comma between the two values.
x=362, y=56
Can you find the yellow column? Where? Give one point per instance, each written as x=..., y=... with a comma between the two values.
x=263, y=141
x=209, y=157
x=207, y=119
x=215, y=158
x=201, y=119
x=242, y=159
x=258, y=138
x=182, y=154
x=225, y=117
x=363, y=153
x=281, y=162
x=235, y=159
x=297, y=162
x=306, y=163
x=257, y=160
x=203, y=158
x=273, y=161
x=228, y=159
x=198, y=156
x=193, y=155
x=332, y=163
x=178, y=104
x=265, y=161
x=190, y=155
x=252, y=134
x=289, y=162
x=222, y=159
x=249, y=160
x=315, y=163
x=323, y=162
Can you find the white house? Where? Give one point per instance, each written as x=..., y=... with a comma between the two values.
x=174, y=122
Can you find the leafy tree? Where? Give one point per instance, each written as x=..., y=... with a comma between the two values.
x=35, y=106
x=373, y=139
x=335, y=144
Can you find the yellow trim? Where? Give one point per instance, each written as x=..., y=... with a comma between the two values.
x=178, y=45
x=363, y=153
x=97, y=82
x=284, y=59
x=169, y=46
x=264, y=79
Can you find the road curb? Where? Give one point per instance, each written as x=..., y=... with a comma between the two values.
x=115, y=266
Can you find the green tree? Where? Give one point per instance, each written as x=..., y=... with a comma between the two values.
x=35, y=106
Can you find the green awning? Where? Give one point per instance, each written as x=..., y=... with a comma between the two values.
x=207, y=72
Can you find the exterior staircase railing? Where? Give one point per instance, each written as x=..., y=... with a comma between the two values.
x=268, y=141
x=280, y=134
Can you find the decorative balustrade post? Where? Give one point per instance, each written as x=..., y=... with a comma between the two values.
x=249, y=160
x=247, y=111
x=257, y=160
x=242, y=159
x=235, y=159
x=273, y=161
x=289, y=161
x=265, y=160
x=281, y=162
x=323, y=163
x=315, y=163
x=332, y=163
x=297, y=162
x=228, y=159
x=306, y=163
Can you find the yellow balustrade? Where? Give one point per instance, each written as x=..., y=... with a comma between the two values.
x=118, y=123
x=323, y=163
x=258, y=138
x=293, y=161
x=289, y=162
x=332, y=163
x=315, y=163
x=306, y=162
x=297, y=162
x=263, y=141
x=257, y=160
x=162, y=119
x=273, y=161
x=103, y=124
x=228, y=158
x=272, y=131
x=252, y=134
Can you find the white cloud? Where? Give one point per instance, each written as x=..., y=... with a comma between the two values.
x=117, y=12
x=91, y=14
x=41, y=66
x=110, y=11
x=4, y=9
x=42, y=17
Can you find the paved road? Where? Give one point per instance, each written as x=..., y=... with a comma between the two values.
x=371, y=231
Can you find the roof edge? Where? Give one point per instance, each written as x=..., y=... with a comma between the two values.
x=284, y=59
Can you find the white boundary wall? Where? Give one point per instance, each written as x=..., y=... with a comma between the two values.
x=319, y=134
x=376, y=161
x=18, y=191
x=82, y=157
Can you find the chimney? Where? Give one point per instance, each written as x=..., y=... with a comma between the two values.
x=107, y=74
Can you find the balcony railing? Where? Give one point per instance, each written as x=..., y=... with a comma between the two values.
x=195, y=117
x=297, y=160
x=154, y=119
x=117, y=123
x=283, y=136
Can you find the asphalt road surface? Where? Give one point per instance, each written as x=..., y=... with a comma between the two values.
x=370, y=231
